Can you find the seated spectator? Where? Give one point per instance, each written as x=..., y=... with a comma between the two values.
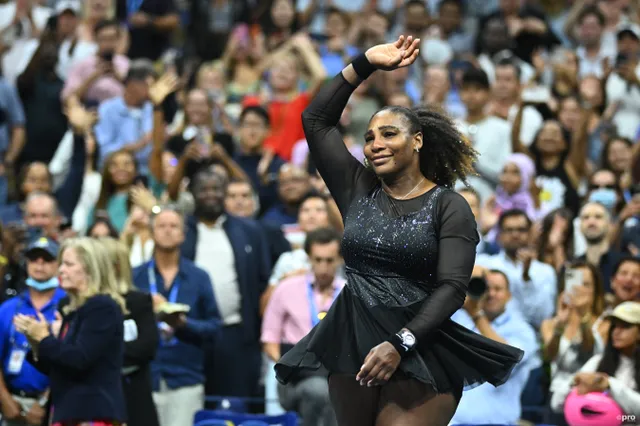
x=99, y=77
x=33, y=177
x=296, y=306
x=293, y=186
x=625, y=287
x=177, y=370
x=615, y=371
x=531, y=282
x=24, y=390
x=570, y=338
x=126, y=122
x=493, y=318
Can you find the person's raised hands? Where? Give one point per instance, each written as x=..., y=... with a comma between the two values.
x=391, y=56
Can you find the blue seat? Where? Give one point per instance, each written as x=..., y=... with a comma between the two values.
x=226, y=418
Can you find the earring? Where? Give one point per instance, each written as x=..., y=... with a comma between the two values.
x=417, y=149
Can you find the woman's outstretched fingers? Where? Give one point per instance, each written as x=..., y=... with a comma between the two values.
x=399, y=42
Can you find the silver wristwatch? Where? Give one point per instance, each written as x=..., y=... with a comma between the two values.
x=407, y=339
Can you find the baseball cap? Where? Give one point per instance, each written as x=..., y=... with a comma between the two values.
x=628, y=312
x=68, y=5
x=630, y=28
x=42, y=244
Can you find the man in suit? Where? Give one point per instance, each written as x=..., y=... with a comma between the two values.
x=235, y=254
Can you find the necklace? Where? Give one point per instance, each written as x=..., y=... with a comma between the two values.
x=414, y=188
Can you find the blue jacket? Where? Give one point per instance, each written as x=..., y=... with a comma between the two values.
x=253, y=265
x=84, y=366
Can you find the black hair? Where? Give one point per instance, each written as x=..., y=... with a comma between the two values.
x=512, y=213
x=510, y=62
x=457, y=3
x=504, y=275
x=334, y=10
x=610, y=360
x=446, y=156
x=592, y=10
x=139, y=72
x=259, y=111
x=203, y=173
x=321, y=236
x=623, y=260
x=113, y=233
x=22, y=176
x=475, y=77
x=604, y=159
x=420, y=3
x=547, y=225
x=105, y=23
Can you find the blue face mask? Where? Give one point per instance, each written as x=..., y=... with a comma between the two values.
x=605, y=196
x=43, y=285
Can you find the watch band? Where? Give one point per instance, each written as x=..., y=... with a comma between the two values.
x=478, y=315
x=397, y=343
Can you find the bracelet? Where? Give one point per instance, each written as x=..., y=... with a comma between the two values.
x=362, y=66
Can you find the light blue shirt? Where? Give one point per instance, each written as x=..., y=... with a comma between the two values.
x=536, y=298
x=487, y=404
x=119, y=125
x=14, y=114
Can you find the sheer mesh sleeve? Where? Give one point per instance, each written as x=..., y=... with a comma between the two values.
x=457, y=240
x=344, y=175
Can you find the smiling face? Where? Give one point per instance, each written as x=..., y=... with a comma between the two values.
x=390, y=145
x=626, y=281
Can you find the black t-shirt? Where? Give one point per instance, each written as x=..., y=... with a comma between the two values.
x=177, y=144
x=148, y=42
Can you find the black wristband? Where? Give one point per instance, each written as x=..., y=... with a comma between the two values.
x=396, y=341
x=362, y=66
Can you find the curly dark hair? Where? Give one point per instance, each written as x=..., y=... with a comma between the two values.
x=446, y=155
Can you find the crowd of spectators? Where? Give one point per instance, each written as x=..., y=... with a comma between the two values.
x=113, y=112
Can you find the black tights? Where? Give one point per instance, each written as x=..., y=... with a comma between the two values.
x=400, y=402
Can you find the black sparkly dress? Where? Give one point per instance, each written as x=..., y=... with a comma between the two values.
x=408, y=264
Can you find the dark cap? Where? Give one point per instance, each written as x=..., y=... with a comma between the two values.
x=42, y=245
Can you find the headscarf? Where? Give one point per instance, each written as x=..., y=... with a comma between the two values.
x=522, y=198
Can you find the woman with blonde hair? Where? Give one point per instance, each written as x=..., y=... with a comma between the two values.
x=83, y=355
x=140, y=339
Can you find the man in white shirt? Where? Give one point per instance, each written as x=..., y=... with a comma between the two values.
x=489, y=135
x=592, y=57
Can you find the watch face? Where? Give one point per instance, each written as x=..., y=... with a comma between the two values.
x=408, y=339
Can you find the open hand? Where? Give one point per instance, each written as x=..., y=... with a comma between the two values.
x=379, y=365
x=391, y=56
x=162, y=88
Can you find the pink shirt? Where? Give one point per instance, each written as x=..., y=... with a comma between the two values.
x=103, y=88
x=287, y=318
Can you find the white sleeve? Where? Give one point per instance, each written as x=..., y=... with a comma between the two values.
x=627, y=398
x=562, y=391
x=61, y=161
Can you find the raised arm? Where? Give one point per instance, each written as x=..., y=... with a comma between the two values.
x=343, y=174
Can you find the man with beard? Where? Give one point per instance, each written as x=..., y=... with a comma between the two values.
x=595, y=223
x=235, y=254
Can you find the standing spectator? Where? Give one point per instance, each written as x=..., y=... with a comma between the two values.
x=21, y=21
x=82, y=355
x=293, y=185
x=241, y=199
x=99, y=77
x=177, y=370
x=239, y=277
x=593, y=57
x=254, y=128
x=493, y=318
x=298, y=304
x=151, y=23
x=24, y=391
x=40, y=87
x=126, y=122
x=489, y=135
x=12, y=134
x=531, y=282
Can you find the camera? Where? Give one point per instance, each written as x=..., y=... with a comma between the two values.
x=477, y=287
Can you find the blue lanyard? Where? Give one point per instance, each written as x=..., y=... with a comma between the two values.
x=12, y=337
x=173, y=295
x=133, y=6
x=316, y=315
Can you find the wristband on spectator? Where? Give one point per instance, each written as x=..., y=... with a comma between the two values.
x=362, y=66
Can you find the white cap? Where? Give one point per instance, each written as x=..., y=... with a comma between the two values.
x=629, y=27
x=68, y=5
